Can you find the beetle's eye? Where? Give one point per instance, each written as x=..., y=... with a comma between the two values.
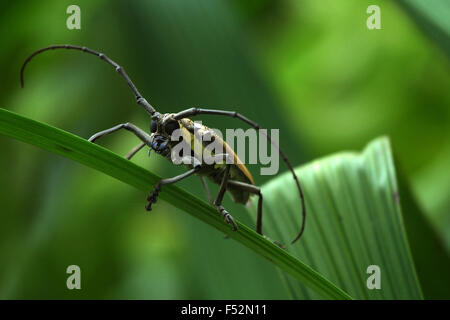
x=153, y=126
x=171, y=127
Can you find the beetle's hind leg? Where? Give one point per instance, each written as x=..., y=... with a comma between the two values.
x=257, y=191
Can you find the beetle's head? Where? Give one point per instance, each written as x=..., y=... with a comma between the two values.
x=162, y=127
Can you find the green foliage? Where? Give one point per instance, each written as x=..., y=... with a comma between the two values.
x=432, y=17
x=342, y=85
x=431, y=258
x=75, y=148
x=354, y=221
x=310, y=68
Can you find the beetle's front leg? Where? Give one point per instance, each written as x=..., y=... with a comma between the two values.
x=153, y=196
x=141, y=134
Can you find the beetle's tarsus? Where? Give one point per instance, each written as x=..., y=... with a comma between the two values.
x=153, y=197
x=230, y=219
x=278, y=243
x=282, y=246
x=227, y=217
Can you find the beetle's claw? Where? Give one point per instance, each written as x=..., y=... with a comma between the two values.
x=278, y=243
x=228, y=218
x=148, y=207
x=231, y=220
x=152, y=198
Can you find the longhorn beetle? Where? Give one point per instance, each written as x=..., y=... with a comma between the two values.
x=232, y=176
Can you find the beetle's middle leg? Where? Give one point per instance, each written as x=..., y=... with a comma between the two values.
x=218, y=202
x=206, y=188
x=153, y=196
x=255, y=190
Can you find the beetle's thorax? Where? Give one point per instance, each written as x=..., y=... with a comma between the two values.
x=161, y=129
x=161, y=120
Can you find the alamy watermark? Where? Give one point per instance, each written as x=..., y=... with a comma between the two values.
x=74, y=20
x=374, y=20
x=208, y=147
x=374, y=280
x=74, y=280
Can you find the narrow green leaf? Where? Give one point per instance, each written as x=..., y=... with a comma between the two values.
x=430, y=256
x=354, y=220
x=432, y=16
x=99, y=158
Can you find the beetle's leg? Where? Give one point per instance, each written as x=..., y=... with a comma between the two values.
x=153, y=196
x=255, y=190
x=195, y=111
x=141, y=134
x=208, y=194
x=218, y=202
x=206, y=188
x=135, y=150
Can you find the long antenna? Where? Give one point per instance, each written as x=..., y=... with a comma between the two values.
x=140, y=100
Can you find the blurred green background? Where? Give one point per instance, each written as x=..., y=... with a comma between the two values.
x=310, y=68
